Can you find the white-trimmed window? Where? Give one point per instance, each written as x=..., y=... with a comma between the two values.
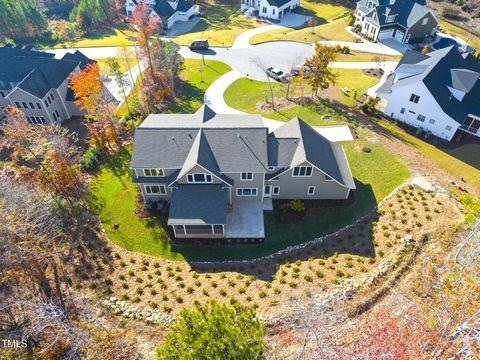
x=153, y=172
x=271, y=168
x=432, y=121
x=448, y=128
x=414, y=98
x=328, y=178
x=199, y=178
x=246, y=191
x=425, y=21
x=311, y=190
x=246, y=176
x=276, y=190
x=302, y=171
x=402, y=111
x=155, y=189
x=421, y=118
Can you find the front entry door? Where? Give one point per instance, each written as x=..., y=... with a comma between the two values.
x=266, y=192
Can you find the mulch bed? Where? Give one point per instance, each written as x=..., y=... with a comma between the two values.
x=285, y=215
x=376, y=73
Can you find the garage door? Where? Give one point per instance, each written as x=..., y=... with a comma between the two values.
x=399, y=36
x=385, y=34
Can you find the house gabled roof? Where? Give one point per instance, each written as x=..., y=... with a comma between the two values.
x=185, y=141
x=443, y=70
x=35, y=72
x=278, y=3
x=164, y=9
x=406, y=12
x=299, y=143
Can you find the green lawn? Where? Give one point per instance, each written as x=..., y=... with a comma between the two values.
x=245, y=94
x=462, y=34
x=111, y=36
x=105, y=69
x=334, y=30
x=222, y=21
x=463, y=161
x=360, y=56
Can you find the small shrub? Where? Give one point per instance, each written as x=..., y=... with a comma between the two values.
x=189, y=290
x=277, y=291
x=178, y=269
x=139, y=291
x=380, y=253
x=131, y=273
x=273, y=303
x=248, y=298
x=178, y=278
x=179, y=299
x=339, y=273
x=145, y=263
x=167, y=309
x=262, y=294
x=156, y=264
x=138, y=279
x=123, y=263
x=363, y=269
x=121, y=277
x=108, y=282
x=296, y=205
x=136, y=299
x=165, y=297
x=153, y=292
x=214, y=284
x=89, y=159
x=205, y=292
x=198, y=283
x=349, y=264
x=181, y=285
x=132, y=260
x=222, y=292
x=292, y=284
x=169, y=268
x=231, y=283
x=153, y=304
x=307, y=278
x=124, y=285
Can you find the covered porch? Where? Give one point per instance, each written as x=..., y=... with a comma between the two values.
x=198, y=211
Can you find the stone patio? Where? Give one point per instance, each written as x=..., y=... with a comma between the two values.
x=246, y=219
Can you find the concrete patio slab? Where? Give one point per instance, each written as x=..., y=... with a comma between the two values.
x=246, y=219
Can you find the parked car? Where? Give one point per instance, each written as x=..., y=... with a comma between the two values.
x=299, y=69
x=199, y=45
x=277, y=74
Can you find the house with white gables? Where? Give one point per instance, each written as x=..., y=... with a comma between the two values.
x=438, y=92
x=407, y=21
x=271, y=9
x=166, y=12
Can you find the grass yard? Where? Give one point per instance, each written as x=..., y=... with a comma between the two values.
x=360, y=56
x=334, y=30
x=354, y=80
x=244, y=94
x=111, y=36
x=456, y=31
x=321, y=9
x=105, y=69
x=222, y=22
x=463, y=161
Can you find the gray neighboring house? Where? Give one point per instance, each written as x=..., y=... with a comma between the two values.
x=407, y=21
x=37, y=83
x=220, y=172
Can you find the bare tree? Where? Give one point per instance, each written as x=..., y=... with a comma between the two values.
x=259, y=63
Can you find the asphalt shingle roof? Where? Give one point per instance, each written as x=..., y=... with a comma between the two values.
x=164, y=9
x=223, y=150
x=191, y=204
x=278, y=3
x=35, y=72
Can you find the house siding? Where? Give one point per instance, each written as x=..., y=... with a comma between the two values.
x=426, y=106
x=295, y=187
x=257, y=183
x=417, y=32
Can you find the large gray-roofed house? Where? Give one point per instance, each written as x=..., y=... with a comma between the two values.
x=446, y=85
x=406, y=21
x=195, y=161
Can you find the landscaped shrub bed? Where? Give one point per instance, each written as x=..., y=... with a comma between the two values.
x=270, y=284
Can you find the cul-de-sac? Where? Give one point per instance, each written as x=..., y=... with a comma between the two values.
x=239, y=179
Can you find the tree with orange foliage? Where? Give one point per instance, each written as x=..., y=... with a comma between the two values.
x=88, y=90
x=87, y=87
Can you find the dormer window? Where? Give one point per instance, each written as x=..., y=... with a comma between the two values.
x=390, y=18
x=199, y=178
x=152, y=172
x=246, y=176
x=302, y=171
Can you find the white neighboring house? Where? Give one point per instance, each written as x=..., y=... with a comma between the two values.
x=271, y=9
x=406, y=21
x=438, y=92
x=167, y=12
